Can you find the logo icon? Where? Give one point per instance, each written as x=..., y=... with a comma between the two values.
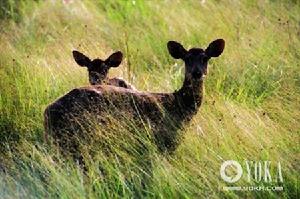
x=238, y=168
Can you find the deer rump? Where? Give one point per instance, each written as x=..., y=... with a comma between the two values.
x=70, y=115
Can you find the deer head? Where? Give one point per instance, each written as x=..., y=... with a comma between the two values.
x=196, y=59
x=97, y=68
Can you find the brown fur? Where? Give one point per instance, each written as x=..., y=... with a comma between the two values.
x=164, y=112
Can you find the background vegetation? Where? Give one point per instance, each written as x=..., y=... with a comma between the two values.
x=250, y=112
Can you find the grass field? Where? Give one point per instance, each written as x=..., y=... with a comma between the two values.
x=251, y=108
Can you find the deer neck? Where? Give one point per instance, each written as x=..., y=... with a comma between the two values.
x=189, y=97
x=183, y=105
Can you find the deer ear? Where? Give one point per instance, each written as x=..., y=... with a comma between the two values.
x=81, y=59
x=215, y=48
x=176, y=50
x=115, y=59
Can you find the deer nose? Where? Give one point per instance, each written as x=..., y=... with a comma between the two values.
x=197, y=74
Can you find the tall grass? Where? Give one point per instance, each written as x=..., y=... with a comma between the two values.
x=250, y=110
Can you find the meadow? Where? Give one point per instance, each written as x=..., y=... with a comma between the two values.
x=251, y=108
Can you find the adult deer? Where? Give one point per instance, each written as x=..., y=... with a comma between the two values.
x=165, y=113
x=98, y=69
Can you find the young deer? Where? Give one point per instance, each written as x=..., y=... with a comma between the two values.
x=98, y=69
x=165, y=113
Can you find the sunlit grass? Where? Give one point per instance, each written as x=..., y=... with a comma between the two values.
x=250, y=109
